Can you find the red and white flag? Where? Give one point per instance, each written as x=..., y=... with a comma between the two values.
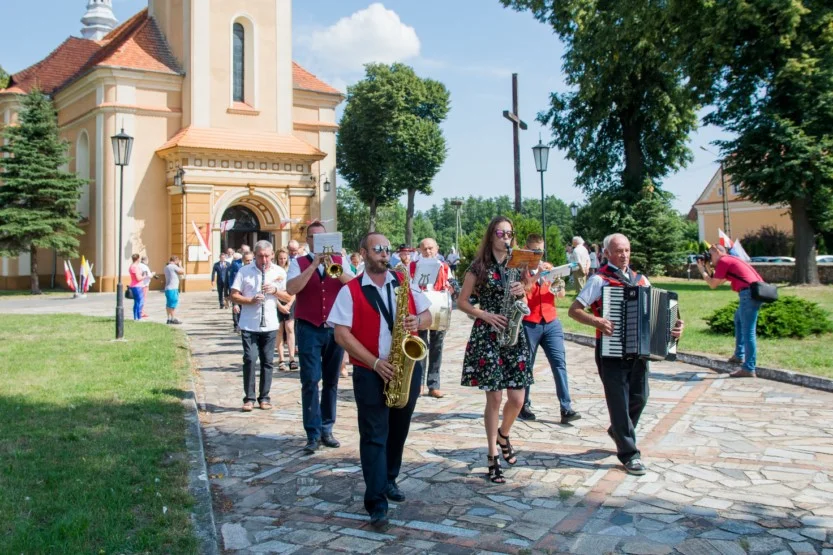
x=226, y=225
x=201, y=239
x=68, y=276
x=723, y=239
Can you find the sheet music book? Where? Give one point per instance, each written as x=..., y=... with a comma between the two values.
x=523, y=257
x=327, y=243
x=425, y=275
x=558, y=272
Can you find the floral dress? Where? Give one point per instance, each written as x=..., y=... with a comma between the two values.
x=486, y=365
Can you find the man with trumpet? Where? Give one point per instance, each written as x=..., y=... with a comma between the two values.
x=315, y=289
x=365, y=317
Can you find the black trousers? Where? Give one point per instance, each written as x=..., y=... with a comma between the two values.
x=434, y=340
x=382, y=433
x=625, y=382
x=222, y=292
x=258, y=345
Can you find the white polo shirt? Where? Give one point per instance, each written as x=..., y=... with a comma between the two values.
x=249, y=282
x=342, y=312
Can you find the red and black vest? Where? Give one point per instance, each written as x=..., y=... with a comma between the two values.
x=612, y=279
x=541, y=302
x=314, y=302
x=367, y=322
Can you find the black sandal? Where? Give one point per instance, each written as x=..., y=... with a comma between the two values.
x=506, y=449
x=495, y=473
x=293, y=365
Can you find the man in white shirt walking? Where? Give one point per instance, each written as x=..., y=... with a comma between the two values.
x=256, y=288
x=582, y=258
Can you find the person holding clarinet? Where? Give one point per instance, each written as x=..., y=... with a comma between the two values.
x=257, y=288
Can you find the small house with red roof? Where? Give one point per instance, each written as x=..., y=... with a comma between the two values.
x=209, y=92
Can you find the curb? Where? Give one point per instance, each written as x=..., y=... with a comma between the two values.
x=723, y=367
x=198, y=485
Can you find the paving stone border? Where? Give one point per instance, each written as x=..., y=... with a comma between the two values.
x=723, y=367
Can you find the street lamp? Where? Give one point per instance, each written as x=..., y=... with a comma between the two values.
x=541, y=152
x=178, y=177
x=574, y=209
x=726, y=225
x=122, y=145
x=327, y=185
x=457, y=203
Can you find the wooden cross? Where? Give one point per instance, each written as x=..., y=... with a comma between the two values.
x=516, y=124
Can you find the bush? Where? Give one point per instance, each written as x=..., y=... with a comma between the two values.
x=787, y=317
x=768, y=241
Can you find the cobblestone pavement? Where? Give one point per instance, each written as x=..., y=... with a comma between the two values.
x=735, y=466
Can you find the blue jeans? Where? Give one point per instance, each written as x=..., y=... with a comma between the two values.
x=320, y=357
x=138, y=301
x=746, y=320
x=551, y=337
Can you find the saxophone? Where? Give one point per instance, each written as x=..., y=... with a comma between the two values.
x=513, y=309
x=406, y=350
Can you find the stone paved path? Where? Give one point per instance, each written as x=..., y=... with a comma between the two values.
x=735, y=466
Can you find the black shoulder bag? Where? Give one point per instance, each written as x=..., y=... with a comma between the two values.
x=760, y=290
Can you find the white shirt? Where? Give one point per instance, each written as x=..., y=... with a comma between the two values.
x=342, y=312
x=592, y=290
x=582, y=256
x=147, y=273
x=249, y=281
x=295, y=269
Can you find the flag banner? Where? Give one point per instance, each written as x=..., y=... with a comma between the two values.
x=287, y=221
x=72, y=276
x=738, y=251
x=201, y=239
x=226, y=225
x=90, y=269
x=68, y=276
x=723, y=239
x=82, y=275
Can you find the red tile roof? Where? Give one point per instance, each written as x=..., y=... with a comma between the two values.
x=245, y=141
x=135, y=44
x=304, y=80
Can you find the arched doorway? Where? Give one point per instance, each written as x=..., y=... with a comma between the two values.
x=245, y=231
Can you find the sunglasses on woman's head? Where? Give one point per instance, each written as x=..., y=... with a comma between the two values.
x=500, y=234
x=379, y=249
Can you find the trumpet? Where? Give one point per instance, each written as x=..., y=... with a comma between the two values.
x=332, y=269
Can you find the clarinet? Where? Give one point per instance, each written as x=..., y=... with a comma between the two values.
x=263, y=304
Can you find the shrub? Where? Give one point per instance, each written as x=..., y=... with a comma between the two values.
x=787, y=317
x=768, y=241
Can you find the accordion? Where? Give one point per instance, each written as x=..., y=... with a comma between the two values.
x=642, y=318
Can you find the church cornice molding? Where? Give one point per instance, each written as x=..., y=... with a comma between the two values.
x=146, y=79
x=115, y=108
x=312, y=99
x=315, y=126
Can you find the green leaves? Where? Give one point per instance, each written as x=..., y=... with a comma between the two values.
x=37, y=199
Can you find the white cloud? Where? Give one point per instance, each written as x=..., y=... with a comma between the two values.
x=374, y=34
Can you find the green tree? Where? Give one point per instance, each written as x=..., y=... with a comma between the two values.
x=389, y=141
x=627, y=119
x=37, y=199
x=775, y=94
x=4, y=78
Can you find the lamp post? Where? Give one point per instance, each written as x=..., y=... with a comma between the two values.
x=726, y=224
x=541, y=152
x=574, y=209
x=457, y=203
x=122, y=145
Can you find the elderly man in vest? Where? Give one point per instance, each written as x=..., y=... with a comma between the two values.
x=365, y=316
x=319, y=354
x=625, y=380
x=433, y=338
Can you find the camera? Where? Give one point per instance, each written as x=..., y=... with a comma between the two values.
x=704, y=256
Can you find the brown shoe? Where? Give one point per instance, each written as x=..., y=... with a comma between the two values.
x=248, y=406
x=435, y=393
x=734, y=360
x=265, y=406
x=742, y=374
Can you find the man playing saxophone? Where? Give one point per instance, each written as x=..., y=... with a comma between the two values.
x=366, y=315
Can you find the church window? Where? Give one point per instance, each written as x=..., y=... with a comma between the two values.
x=239, y=63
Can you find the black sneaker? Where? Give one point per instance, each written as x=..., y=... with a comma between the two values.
x=526, y=413
x=311, y=446
x=569, y=416
x=379, y=518
x=175, y=322
x=635, y=467
x=394, y=493
x=330, y=441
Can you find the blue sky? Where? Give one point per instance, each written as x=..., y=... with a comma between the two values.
x=472, y=46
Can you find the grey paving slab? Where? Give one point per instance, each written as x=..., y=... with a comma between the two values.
x=734, y=466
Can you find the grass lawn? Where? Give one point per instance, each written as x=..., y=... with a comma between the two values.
x=92, y=441
x=12, y=293
x=812, y=355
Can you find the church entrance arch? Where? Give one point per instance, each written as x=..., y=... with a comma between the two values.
x=245, y=230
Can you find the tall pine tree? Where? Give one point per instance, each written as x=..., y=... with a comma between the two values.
x=37, y=198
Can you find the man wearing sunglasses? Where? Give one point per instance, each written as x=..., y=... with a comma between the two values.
x=319, y=354
x=364, y=317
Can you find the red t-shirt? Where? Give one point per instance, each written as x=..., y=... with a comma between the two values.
x=739, y=273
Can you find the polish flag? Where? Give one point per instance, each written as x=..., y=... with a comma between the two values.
x=201, y=239
x=68, y=276
x=724, y=239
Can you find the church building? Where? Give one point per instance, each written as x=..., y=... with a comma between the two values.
x=225, y=125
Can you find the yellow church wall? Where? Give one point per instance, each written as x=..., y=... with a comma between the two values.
x=747, y=221
x=77, y=109
x=198, y=207
x=304, y=113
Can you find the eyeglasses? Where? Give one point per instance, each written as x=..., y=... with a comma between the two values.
x=500, y=234
x=379, y=249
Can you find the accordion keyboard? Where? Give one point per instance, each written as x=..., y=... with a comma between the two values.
x=622, y=310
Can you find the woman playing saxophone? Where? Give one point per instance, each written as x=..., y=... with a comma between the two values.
x=490, y=363
x=368, y=313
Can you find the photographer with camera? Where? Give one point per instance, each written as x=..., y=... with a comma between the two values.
x=740, y=275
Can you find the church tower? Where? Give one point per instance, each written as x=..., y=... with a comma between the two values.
x=99, y=19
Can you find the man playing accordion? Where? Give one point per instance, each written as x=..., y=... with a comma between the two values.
x=625, y=380
x=364, y=316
